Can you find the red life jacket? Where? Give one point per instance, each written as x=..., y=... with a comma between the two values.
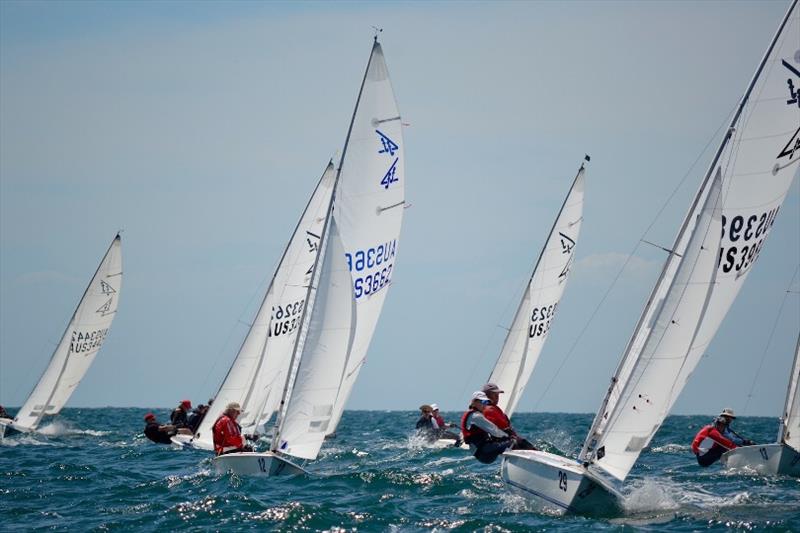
x=475, y=435
x=496, y=416
x=712, y=433
x=227, y=435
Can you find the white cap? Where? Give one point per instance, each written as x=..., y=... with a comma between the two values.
x=480, y=395
x=434, y=407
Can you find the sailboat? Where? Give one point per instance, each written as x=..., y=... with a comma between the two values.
x=531, y=324
x=716, y=247
x=536, y=310
x=256, y=377
x=77, y=349
x=782, y=457
x=346, y=286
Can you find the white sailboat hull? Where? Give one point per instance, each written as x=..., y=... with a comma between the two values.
x=559, y=483
x=265, y=464
x=8, y=429
x=188, y=441
x=774, y=459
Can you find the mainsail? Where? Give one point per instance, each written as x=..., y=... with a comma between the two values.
x=755, y=164
x=369, y=209
x=536, y=310
x=255, y=379
x=790, y=421
x=85, y=333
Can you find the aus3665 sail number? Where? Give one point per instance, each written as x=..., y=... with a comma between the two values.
x=745, y=236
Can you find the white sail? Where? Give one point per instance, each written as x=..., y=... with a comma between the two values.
x=257, y=375
x=369, y=208
x=647, y=395
x=758, y=163
x=790, y=421
x=321, y=363
x=85, y=333
x=534, y=316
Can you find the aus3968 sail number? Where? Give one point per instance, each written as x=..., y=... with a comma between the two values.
x=372, y=268
x=745, y=236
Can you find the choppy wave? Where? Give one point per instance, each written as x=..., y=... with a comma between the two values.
x=93, y=469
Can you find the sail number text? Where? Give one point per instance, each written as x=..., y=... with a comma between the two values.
x=86, y=342
x=541, y=317
x=743, y=237
x=371, y=268
x=285, y=318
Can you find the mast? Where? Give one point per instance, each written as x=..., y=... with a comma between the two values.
x=791, y=395
x=587, y=452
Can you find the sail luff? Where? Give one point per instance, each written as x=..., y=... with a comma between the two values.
x=512, y=376
x=294, y=362
x=789, y=432
x=65, y=342
x=667, y=342
x=370, y=205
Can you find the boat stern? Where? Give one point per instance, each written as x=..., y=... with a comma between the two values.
x=266, y=464
x=559, y=483
x=766, y=459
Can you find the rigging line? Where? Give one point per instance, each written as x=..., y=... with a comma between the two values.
x=630, y=256
x=485, y=350
x=786, y=294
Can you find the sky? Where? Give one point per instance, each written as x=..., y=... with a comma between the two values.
x=200, y=130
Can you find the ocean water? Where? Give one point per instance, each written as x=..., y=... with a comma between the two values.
x=93, y=470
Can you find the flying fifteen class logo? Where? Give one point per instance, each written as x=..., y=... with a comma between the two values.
x=388, y=147
x=793, y=84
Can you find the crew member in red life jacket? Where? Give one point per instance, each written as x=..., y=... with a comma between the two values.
x=486, y=440
x=228, y=436
x=720, y=445
x=495, y=414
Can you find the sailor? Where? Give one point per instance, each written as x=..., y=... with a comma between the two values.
x=486, y=440
x=197, y=416
x=426, y=425
x=180, y=414
x=495, y=414
x=442, y=426
x=156, y=432
x=728, y=415
x=228, y=436
x=720, y=444
x=4, y=413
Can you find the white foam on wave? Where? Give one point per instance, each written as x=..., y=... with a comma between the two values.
x=24, y=440
x=659, y=495
x=59, y=429
x=671, y=448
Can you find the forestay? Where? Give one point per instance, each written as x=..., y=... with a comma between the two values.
x=790, y=421
x=257, y=375
x=756, y=162
x=535, y=313
x=85, y=333
x=369, y=209
x=322, y=356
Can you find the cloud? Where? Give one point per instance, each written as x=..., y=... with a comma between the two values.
x=607, y=265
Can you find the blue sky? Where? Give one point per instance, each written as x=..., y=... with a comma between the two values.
x=201, y=129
